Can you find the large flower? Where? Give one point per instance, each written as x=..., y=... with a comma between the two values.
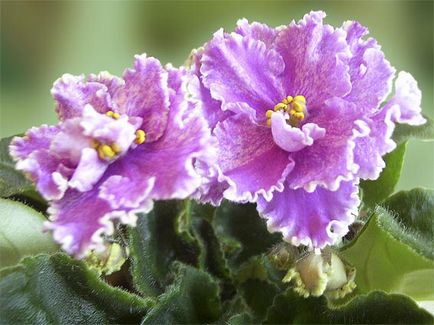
x=298, y=115
x=120, y=144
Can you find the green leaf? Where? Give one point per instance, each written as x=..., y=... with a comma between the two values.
x=374, y=308
x=21, y=233
x=386, y=262
x=414, y=215
x=236, y=311
x=211, y=258
x=192, y=298
x=374, y=192
x=404, y=132
x=156, y=243
x=243, y=233
x=56, y=289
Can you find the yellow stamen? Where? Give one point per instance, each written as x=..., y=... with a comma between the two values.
x=268, y=122
x=299, y=116
x=292, y=112
x=287, y=100
x=269, y=113
x=300, y=98
x=109, y=113
x=115, y=147
x=116, y=115
x=280, y=106
x=107, y=151
x=112, y=114
x=140, y=137
x=299, y=107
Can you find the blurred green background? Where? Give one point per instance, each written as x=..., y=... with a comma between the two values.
x=41, y=40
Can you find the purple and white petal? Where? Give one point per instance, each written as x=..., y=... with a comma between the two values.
x=89, y=171
x=371, y=74
x=403, y=107
x=315, y=57
x=330, y=159
x=47, y=172
x=80, y=221
x=211, y=108
x=249, y=160
x=291, y=138
x=257, y=31
x=242, y=69
x=36, y=138
x=145, y=94
x=313, y=219
x=73, y=93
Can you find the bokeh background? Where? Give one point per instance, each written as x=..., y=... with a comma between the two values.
x=41, y=40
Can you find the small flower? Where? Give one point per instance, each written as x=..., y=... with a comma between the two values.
x=120, y=144
x=298, y=113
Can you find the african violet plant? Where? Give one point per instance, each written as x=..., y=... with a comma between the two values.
x=253, y=185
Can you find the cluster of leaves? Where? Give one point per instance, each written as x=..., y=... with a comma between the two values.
x=192, y=263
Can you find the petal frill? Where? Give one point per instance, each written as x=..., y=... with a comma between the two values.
x=211, y=108
x=330, y=159
x=313, y=219
x=42, y=166
x=249, y=160
x=164, y=169
x=73, y=93
x=315, y=57
x=145, y=94
x=257, y=31
x=36, y=138
x=80, y=221
x=242, y=69
x=403, y=107
x=291, y=138
x=371, y=74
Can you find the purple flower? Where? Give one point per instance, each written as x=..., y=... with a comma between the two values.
x=120, y=144
x=298, y=112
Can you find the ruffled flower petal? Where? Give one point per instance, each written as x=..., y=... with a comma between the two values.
x=371, y=74
x=242, y=69
x=403, y=107
x=315, y=57
x=145, y=94
x=293, y=139
x=73, y=93
x=330, y=159
x=211, y=108
x=80, y=221
x=47, y=172
x=35, y=139
x=313, y=219
x=257, y=31
x=33, y=158
x=249, y=160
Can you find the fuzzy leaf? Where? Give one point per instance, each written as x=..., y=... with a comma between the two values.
x=21, y=233
x=192, y=298
x=386, y=260
x=374, y=308
x=404, y=132
x=243, y=233
x=374, y=192
x=413, y=211
x=58, y=290
x=156, y=243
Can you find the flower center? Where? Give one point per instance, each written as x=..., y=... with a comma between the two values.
x=110, y=151
x=294, y=109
